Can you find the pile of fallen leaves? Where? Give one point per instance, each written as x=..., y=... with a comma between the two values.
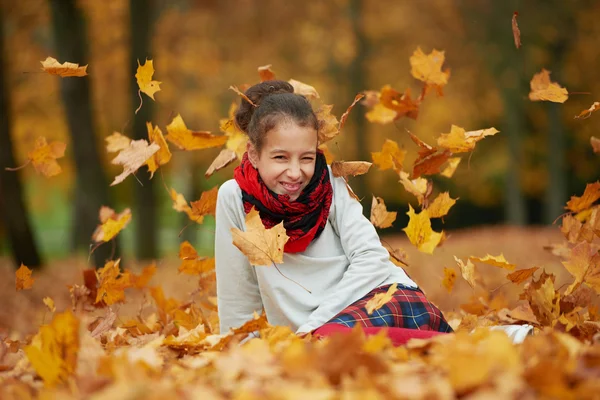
x=172, y=348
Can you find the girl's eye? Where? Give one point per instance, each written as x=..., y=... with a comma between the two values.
x=308, y=158
x=279, y=157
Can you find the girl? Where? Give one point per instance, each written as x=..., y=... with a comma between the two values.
x=333, y=262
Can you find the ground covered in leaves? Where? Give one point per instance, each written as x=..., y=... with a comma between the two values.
x=163, y=340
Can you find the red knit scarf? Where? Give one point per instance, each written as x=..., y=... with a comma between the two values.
x=303, y=219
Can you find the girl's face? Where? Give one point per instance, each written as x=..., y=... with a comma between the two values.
x=286, y=162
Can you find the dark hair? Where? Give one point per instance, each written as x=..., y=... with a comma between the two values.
x=274, y=101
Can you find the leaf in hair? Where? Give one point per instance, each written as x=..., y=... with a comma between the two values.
x=239, y=93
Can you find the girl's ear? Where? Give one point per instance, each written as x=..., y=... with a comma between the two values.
x=252, y=154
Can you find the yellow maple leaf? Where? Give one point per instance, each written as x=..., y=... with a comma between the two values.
x=346, y=168
x=144, y=75
x=53, y=351
x=265, y=73
x=441, y=205
x=428, y=68
x=133, y=157
x=23, y=278
x=417, y=187
x=49, y=304
x=185, y=139
x=381, y=114
x=589, y=197
x=116, y=142
x=419, y=231
x=328, y=123
x=496, y=261
x=453, y=162
x=163, y=155
x=191, y=263
x=467, y=271
x=543, y=89
x=112, y=283
x=303, y=89
x=44, y=155
x=380, y=299
x=584, y=265
x=449, y=279
x=236, y=138
x=390, y=156
x=459, y=141
x=261, y=246
x=111, y=224
x=66, y=69
x=380, y=217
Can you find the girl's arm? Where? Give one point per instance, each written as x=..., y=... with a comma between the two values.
x=369, y=260
x=238, y=295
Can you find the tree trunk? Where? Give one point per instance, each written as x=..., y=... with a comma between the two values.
x=13, y=210
x=146, y=206
x=91, y=190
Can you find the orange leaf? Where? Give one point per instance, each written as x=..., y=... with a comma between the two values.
x=192, y=264
x=449, y=279
x=112, y=225
x=182, y=137
x=133, y=157
x=242, y=95
x=380, y=299
x=207, y=204
x=261, y=246
x=354, y=168
x=390, y=156
x=521, y=275
x=543, y=89
x=112, y=283
x=44, y=156
x=401, y=103
x=328, y=123
x=441, y=205
x=380, y=217
x=23, y=278
x=459, y=141
x=516, y=31
x=428, y=68
x=496, y=261
x=163, y=155
x=419, y=231
x=66, y=69
x=180, y=204
x=265, y=73
x=141, y=281
x=587, y=113
x=430, y=165
x=584, y=265
x=116, y=142
x=144, y=80
x=345, y=115
x=590, y=195
x=426, y=149
x=303, y=89
x=224, y=158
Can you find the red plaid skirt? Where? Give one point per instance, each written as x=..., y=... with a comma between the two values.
x=408, y=308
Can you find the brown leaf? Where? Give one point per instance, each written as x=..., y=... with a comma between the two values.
x=425, y=149
x=587, y=113
x=265, y=73
x=400, y=103
x=224, y=158
x=105, y=324
x=242, y=95
x=521, y=275
x=516, y=31
x=345, y=114
x=380, y=217
x=430, y=165
x=328, y=123
x=346, y=168
x=133, y=157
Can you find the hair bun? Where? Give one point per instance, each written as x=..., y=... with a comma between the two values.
x=256, y=94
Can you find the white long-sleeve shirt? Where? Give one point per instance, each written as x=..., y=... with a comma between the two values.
x=342, y=265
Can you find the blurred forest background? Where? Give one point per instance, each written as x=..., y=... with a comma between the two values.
x=522, y=176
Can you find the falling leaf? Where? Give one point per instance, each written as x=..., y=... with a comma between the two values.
x=191, y=263
x=419, y=231
x=575, y=231
x=207, y=204
x=224, y=158
x=381, y=114
x=182, y=137
x=117, y=142
x=587, y=113
x=180, y=204
x=521, y=275
x=49, y=304
x=595, y=142
x=53, y=351
x=380, y=299
x=453, y=162
x=543, y=89
x=345, y=114
x=44, y=155
x=429, y=165
x=467, y=271
x=143, y=76
x=496, y=261
x=449, y=279
x=163, y=155
x=303, y=89
x=141, y=281
x=516, y=31
x=390, y=156
x=242, y=95
x=261, y=246
x=236, y=138
x=346, y=168
x=400, y=103
x=329, y=157
x=66, y=69
x=265, y=73
x=590, y=195
x=112, y=283
x=380, y=217
x=328, y=123
x=459, y=141
x=105, y=323
x=425, y=149
x=428, y=68
x=417, y=187
x=441, y=205
x=133, y=157
x=398, y=256
x=23, y=278
x=584, y=265
x=111, y=224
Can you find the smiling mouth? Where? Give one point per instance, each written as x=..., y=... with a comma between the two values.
x=291, y=188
